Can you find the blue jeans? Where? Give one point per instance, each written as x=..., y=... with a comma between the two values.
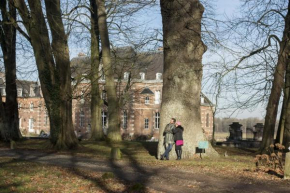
x=167, y=150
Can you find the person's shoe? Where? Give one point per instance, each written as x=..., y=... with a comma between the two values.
x=162, y=157
x=167, y=158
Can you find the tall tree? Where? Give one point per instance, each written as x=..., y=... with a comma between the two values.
x=277, y=86
x=183, y=50
x=53, y=64
x=113, y=104
x=8, y=45
x=96, y=102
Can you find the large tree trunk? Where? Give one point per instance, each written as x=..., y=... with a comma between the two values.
x=183, y=50
x=277, y=85
x=96, y=102
x=8, y=45
x=53, y=65
x=113, y=105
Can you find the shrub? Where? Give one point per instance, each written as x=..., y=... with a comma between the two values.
x=273, y=161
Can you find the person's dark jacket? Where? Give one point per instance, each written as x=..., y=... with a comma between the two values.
x=178, y=133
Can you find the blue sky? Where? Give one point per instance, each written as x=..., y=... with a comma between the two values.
x=151, y=19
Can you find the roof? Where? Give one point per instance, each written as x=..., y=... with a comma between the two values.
x=124, y=59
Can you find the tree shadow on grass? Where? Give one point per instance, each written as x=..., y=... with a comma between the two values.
x=130, y=173
x=151, y=147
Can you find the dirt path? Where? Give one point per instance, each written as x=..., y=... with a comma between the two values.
x=156, y=177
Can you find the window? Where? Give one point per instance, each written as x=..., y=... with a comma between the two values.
x=157, y=120
x=82, y=118
x=30, y=128
x=207, y=120
x=125, y=120
x=142, y=75
x=104, y=95
x=31, y=106
x=19, y=92
x=147, y=100
x=46, y=118
x=104, y=118
x=126, y=75
x=146, y=123
x=157, y=97
x=103, y=77
x=20, y=122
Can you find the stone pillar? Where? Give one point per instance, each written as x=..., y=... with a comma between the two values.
x=287, y=166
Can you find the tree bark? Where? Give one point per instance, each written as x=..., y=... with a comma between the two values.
x=183, y=50
x=284, y=134
x=113, y=104
x=277, y=85
x=96, y=102
x=8, y=45
x=53, y=65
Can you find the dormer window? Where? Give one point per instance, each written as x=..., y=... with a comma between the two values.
x=32, y=93
x=201, y=99
x=126, y=75
x=158, y=76
x=142, y=75
x=147, y=100
x=19, y=92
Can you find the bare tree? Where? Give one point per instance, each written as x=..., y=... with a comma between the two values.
x=9, y=113
x=53, y=63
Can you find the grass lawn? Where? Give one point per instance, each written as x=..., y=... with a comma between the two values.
x=23, y=176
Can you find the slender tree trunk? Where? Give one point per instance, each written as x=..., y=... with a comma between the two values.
x=4, y=129
x=113, y=105
x=277, y=85
x=53, y=65
x=183, y=50
x=96, y=102
x=8, y=45
x=284, y=134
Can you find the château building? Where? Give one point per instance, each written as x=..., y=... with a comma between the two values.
x=139, y=85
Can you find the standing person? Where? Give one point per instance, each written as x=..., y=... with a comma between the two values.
x=168, y=139
x=178, y=138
